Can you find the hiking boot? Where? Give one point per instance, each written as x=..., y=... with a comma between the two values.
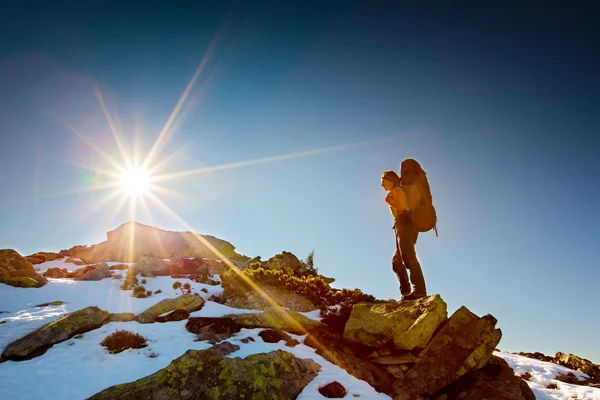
x=414, y=296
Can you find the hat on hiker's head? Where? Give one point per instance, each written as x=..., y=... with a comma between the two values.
x=410, y=165
x=391, y=176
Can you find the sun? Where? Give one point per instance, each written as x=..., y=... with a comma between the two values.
x=135, y=181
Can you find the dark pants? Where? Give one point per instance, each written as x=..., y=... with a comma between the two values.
x=405, y=258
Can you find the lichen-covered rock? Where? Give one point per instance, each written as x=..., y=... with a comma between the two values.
x=10, y=260
x=26, y=273
x=187, y=302
x=409, y=324
x=574, y=362
x=65, y=327
x=151, y=267
x=496, y=380
x=23, y=282
x=465, y=342
x=213, y=330
x=202, y=374
x=277, y=318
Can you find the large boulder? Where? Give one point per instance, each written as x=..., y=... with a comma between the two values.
x=213, y=330
x=408, y=324
x=277, y=318
x=10, y=260
x=35, y=260
x=57, y=331
x=26, y=273
x=97, y=253
x=97, y=272
x=204, y=374
x=150, y=267
x=187, y=302
x=56, y=273
x=496, y=380
x=465, y=342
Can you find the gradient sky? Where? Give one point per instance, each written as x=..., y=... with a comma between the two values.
x=499, y=104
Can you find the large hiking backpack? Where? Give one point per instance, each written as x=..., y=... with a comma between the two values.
x=424, y=217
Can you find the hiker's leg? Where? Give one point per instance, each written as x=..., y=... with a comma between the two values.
x=408, y=239
x=400, y=270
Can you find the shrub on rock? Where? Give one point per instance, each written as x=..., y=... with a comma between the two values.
x=123, y=340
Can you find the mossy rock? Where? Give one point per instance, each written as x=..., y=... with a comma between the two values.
x=205, y=374
x=51, y=303
x=23, y=282
x=277, y=318
x=187, y=302
x=10, y=260
x=57, y=331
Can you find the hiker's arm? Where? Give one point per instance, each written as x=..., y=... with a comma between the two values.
x=394, y=199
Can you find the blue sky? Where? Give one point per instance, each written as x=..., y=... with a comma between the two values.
x=498, y=104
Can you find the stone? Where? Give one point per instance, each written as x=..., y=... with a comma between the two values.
x=393, y=360
x=202, y=374
x=465, y=342
x=331, y=347
x=213, y=330
x=496, y=380
x=10, y=260
x=56, y=273
x=277, y=318
x=120, y=317
x=22, y=282
x=26, y=273
x=65, y=327
x=187, y=302
x=35, y=260
x=408, y=324
x=96, y=254
x=224, y=348
x=150, y=267
x=274, y=336
x=177, y=315
x=333, y=390
x=95, y=272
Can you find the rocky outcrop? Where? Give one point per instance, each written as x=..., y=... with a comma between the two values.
x=150, y=267
x=238, y=295
x=213, y=330
x=496, y=380
x=57, y=331
x=133, y=240
x=187, y=302
x=34, y=260
x=333, y=390
x=464, y=343
x=206, y=375
x=408, y=324
x=94, y=272
x=177, y=315
x=16, y=271
x=100, y=252
x=277, y=318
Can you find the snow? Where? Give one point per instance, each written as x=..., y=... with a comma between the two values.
x=79, y=368
x=544, y=373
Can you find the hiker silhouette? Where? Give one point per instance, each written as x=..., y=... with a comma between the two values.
x=411, y=206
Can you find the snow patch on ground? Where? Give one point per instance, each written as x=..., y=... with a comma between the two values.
x=544, y=374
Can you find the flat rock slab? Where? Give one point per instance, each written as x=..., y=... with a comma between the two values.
x=67, y=326
x=277, y=318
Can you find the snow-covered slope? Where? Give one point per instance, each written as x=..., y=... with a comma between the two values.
x=79, y=368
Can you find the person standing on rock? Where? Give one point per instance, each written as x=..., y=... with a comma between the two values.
x=412, y=209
